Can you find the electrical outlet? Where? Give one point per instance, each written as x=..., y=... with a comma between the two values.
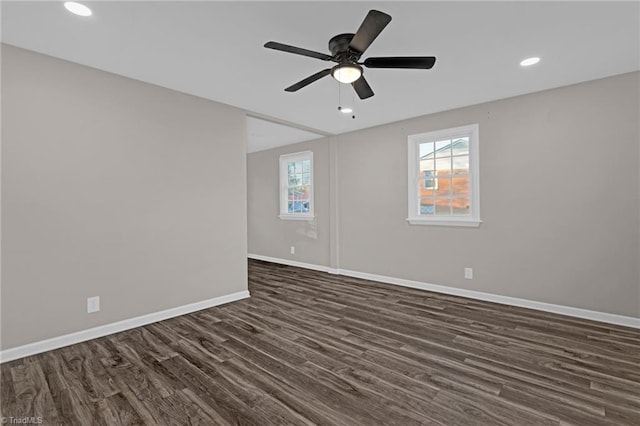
x=293, y=249
x=93, y=304
x=468, y=273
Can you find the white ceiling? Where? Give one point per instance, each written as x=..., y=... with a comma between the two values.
x=214, y=50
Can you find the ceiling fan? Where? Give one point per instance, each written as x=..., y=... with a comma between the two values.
x=346, y=50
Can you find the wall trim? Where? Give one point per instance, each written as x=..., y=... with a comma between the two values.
x=115, y=327
x=471, y=294
x=293, y=263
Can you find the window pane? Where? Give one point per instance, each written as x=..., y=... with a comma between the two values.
x=305, y=191
x=461, y=206
x=422, y=192
x=306, y=178
x=461, y=164
x=294, y=175
x=443, y=207
x=292, y=179
x=460, y=146
x=299, y=206
x=306, y=166
x=427, y=206
x=443, y=166
x=426, y=150
x=428, y=164
x=428, y=179
x=461, y=185
x=443, y=148
x=299, y=167
x=443, y=186
x=299, y=199
x=294, y=194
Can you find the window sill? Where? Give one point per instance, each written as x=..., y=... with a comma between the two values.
x=296, y=217
x=467, y=223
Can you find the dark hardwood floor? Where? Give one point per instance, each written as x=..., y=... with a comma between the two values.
x=312, y=348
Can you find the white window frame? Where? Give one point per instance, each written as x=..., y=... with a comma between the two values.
x=414, y=141
x=284, y=186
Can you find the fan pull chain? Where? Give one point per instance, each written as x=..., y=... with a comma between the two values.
x=345, y=110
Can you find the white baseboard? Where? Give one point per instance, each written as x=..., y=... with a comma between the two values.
x=478, y=295
x=115, y=327
x=504, y=300
x=293, y=263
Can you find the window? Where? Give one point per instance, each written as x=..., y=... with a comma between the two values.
x=443, y=177
x=296, y=186
x=428, y=179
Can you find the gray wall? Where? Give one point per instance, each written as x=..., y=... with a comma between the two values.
x=113, y=188
x=274, y=237
x=559, y=200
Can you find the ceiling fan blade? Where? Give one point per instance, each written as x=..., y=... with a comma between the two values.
x=362, y=88
x=302, y=83
x=297, y=50
x=411, y=62
x=373, y=24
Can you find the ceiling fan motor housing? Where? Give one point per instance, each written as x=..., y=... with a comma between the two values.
x=339, y=48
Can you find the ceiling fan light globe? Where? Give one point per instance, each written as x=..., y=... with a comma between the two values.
x=346, y=73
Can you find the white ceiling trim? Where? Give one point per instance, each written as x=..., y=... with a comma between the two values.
x=263, y=134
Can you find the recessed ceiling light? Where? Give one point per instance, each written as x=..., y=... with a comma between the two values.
x=529, y=61
x=346, y=110
x=77, y=8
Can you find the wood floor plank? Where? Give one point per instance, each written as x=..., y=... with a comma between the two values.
x=310, y=348
x=32, y=393
x=71, y=410
x=116, y=410
x=7, y=392
x=210, y=390
x=299, y=402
